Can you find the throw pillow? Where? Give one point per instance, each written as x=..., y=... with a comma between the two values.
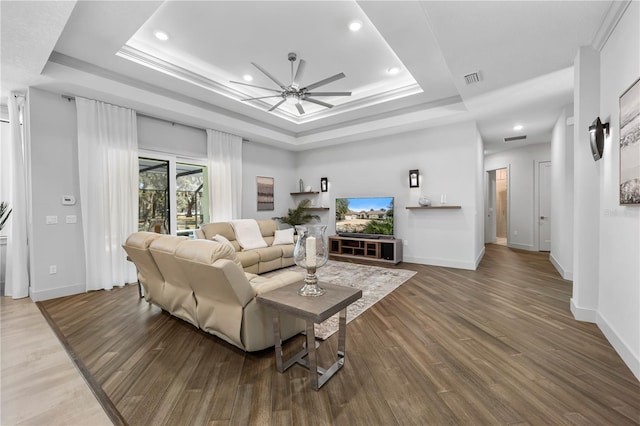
x=248, y=234
x=222, y=240
x=282, y=237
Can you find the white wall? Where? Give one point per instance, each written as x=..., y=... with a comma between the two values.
x=522, y=184
x=586, y=223
x=618, y=309
x=380, y=167
x=54, y=157
x=263, y=160
x=561, y=255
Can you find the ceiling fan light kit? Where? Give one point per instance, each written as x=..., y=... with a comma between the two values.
x=292, y=93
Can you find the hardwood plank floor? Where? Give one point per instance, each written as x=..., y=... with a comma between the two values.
x=493, y=346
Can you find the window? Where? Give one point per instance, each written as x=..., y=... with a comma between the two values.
x=173, y=196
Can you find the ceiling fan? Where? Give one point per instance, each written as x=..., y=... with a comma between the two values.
x=293, y=90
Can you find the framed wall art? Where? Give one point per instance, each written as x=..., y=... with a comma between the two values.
x=265, y=192
x=630, y=145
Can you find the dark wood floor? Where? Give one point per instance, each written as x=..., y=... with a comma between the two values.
x=493, y=346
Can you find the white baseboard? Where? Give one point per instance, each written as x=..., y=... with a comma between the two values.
x=567, y=275
x=583, y=314
x=53, y=293
x=632, y=360
x=479, y=258
x=434, y=261
x=527, y=247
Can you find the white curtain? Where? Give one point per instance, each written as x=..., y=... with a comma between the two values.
x=17, y=273
x=108, y=166
x=225, y=175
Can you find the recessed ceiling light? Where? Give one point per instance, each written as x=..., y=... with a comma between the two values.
x=247, y=77
x=518, y=127
x=393, y=70
x=355, y=25
x=161, y=35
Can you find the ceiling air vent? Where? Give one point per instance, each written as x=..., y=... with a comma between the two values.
x=515, y=138
x=474, y=77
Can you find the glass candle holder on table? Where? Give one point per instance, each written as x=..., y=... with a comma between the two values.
x=311, y=253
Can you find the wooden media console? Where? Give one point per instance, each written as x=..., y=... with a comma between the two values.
x=387, y=250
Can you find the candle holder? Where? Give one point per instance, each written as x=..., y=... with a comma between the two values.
x=311, y=253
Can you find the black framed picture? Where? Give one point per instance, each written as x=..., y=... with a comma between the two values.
x=630, y=145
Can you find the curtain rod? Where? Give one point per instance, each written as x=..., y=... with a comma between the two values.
x=173, y=123
x=73, y=98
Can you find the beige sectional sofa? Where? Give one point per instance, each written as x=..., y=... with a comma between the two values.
x=259, y=260
x=203, y=282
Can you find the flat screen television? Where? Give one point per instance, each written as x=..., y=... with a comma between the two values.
x=367, y=217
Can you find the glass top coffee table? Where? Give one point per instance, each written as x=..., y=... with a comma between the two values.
x=313, y=310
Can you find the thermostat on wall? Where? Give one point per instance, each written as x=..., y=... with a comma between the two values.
x=68, y=200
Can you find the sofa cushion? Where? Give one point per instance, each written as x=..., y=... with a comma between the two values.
x=220, y=228
x=248, y=234
x=268, y=254
x=248, y=259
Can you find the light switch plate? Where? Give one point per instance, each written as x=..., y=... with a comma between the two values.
x=52, y=220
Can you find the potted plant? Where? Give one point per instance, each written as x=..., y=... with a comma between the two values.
x=298, y=215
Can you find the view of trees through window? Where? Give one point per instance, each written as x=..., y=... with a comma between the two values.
x=155, y=196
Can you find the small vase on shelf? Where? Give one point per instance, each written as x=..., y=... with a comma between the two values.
x=424, y=201
x=311, y=253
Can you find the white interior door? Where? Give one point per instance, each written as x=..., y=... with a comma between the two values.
x=544, y=201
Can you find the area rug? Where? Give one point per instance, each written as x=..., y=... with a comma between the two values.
x=374, y=281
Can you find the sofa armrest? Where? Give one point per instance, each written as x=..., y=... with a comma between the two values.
x=280, y=280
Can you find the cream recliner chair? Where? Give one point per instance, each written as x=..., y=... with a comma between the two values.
x=225, y=296
x=203, y=283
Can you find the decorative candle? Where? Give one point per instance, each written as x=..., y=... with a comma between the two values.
x=311, y=251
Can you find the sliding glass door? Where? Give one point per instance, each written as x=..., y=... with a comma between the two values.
x=153, y=196
x=173, y=195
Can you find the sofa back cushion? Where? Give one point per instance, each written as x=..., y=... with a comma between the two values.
x=137, y=248
x=220, y=287
x=267, y=229
x=177, y=294
x=225, y=229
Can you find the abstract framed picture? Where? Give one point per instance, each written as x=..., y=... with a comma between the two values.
x=265, y=192
x=630, y=145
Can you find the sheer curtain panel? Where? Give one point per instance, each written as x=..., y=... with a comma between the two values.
x=108, y=166
x=225, y=175
x=17, y=274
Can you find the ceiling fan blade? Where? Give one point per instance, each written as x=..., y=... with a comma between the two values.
x=325, y=81
x=277, y=105
x=299, y=71
x=315, y=101
x=265, y=72
x=328, y=93
x=300, y=109
x=253, y=85
x=261, y=97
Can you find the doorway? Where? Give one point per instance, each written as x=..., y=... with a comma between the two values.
x=501, y=207
x=544, y=206
x=497, y=223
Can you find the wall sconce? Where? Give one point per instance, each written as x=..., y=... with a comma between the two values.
x=414, y=178
x=597, y=133
x=324, y=184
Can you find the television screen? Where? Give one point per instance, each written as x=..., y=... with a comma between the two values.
x=364, y=216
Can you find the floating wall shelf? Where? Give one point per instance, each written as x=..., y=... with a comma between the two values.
x=432, y=207
x=317, y=208
x=305, y=193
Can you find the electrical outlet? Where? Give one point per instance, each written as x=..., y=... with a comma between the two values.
x=53, y=269
x=405, y=242
x=52, y=220
x=515, y=232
